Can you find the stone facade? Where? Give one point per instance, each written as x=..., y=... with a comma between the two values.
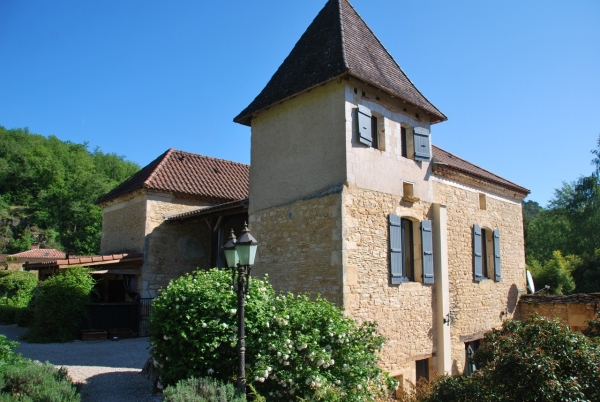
x=135, y=223
x=476, y=307
x=300, y=246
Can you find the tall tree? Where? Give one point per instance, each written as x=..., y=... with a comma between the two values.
x=48, y=189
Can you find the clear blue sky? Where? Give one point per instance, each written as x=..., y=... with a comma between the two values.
x=518, y=80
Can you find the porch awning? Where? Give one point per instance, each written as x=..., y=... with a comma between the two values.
x=110, y=262
x=228, y=208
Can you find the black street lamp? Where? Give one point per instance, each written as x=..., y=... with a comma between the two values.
x=240, y=254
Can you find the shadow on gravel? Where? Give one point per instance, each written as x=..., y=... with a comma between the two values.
x=126, y=386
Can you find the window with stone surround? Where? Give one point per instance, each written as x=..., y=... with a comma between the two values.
x=486, y=253
x=411, y=250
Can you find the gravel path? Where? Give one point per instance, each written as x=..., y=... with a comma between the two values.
x=108, y=370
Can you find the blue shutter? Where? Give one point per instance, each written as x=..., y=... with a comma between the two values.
x=364, y=125
x=477, y=263
x=497, y=271
x=421, y=142
x=396, y=249
x=427, y=246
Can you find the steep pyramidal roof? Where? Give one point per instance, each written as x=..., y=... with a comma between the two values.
x=190, y=175
x=337, y=43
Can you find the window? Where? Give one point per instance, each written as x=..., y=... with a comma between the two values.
x=371, y=129
x=411, y=257
x=470, y=349
x=408, y=265
x=403, y=142
x=486, y=254
x=422, y=369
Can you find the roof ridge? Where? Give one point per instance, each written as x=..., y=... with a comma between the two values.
x=158, y=167
x=477, y=166
x=209, y=157
x=342, y=34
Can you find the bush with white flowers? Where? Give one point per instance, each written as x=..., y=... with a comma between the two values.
x=296, y=348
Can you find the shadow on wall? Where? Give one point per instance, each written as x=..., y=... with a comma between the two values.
x=512, y=298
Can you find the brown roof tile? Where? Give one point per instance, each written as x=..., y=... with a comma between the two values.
x=185, y=173
x=95, y=260
x=445, y=158
x=40, y=253
x=336, y=43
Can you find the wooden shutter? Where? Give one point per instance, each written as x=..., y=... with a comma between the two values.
x=477, y=264
x=364, y=125
x=427, y=246
x=396, y=249
x=421, y=142
x=497, y=271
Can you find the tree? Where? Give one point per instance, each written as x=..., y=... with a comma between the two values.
x=555, y=273
x=296, y=348
x=534, y=360
x=48, y=189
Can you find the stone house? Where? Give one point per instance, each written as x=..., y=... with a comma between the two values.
x=34, y=255
x=348, y=198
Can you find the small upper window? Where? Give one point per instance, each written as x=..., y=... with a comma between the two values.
x=482, y=201
x=371, y=130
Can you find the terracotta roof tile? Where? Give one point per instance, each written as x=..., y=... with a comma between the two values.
x=336, y=43
x=40, y=253
x=445, y=158
x=185, y=173
x=84, y=260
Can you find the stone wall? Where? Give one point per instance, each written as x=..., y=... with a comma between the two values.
x=172, y=248
x=405, y=313
x=300, y=246
x=476, y=307
x=572, y=310
x=123, y=225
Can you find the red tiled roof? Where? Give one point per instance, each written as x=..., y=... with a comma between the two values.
x=85, y=261
x=185, y=173
x=337, y=43
x=446, y=159
x=40, y=253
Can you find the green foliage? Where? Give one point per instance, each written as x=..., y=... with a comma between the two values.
x=296, y=348
x=30, y=381
x=61, y=305
x=24, y=316
x=556, y=273
x=8, y=314
x=593, y=328
x=201, y=390
x=535, y=360
x=48, y=189
x=571, y=225
x=16, y=288
x=24, y=380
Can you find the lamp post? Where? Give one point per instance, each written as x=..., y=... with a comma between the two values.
x=240, y=254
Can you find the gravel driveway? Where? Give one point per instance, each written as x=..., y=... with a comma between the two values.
x=108, y=370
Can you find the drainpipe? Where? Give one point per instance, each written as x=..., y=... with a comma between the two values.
x=442, y=290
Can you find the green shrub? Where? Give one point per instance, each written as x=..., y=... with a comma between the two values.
x=8, y=314
x=201, y=390
x=37, y=382
x=593, y=328
x=6, y=351
x=61, y=305
x=16, y=288
x=24, y=316
x=533, y=360
x=295, y=347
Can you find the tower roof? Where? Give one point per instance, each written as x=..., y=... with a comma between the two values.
x=189, y=175
x=338, y=43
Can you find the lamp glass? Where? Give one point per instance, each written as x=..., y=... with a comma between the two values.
x=232, y=257
x=246, y=252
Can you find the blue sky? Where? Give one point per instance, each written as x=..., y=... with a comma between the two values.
x=518, y=80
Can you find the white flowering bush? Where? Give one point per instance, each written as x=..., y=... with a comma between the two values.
x=295, y=348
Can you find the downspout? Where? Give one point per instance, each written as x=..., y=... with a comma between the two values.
x=442, y=290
